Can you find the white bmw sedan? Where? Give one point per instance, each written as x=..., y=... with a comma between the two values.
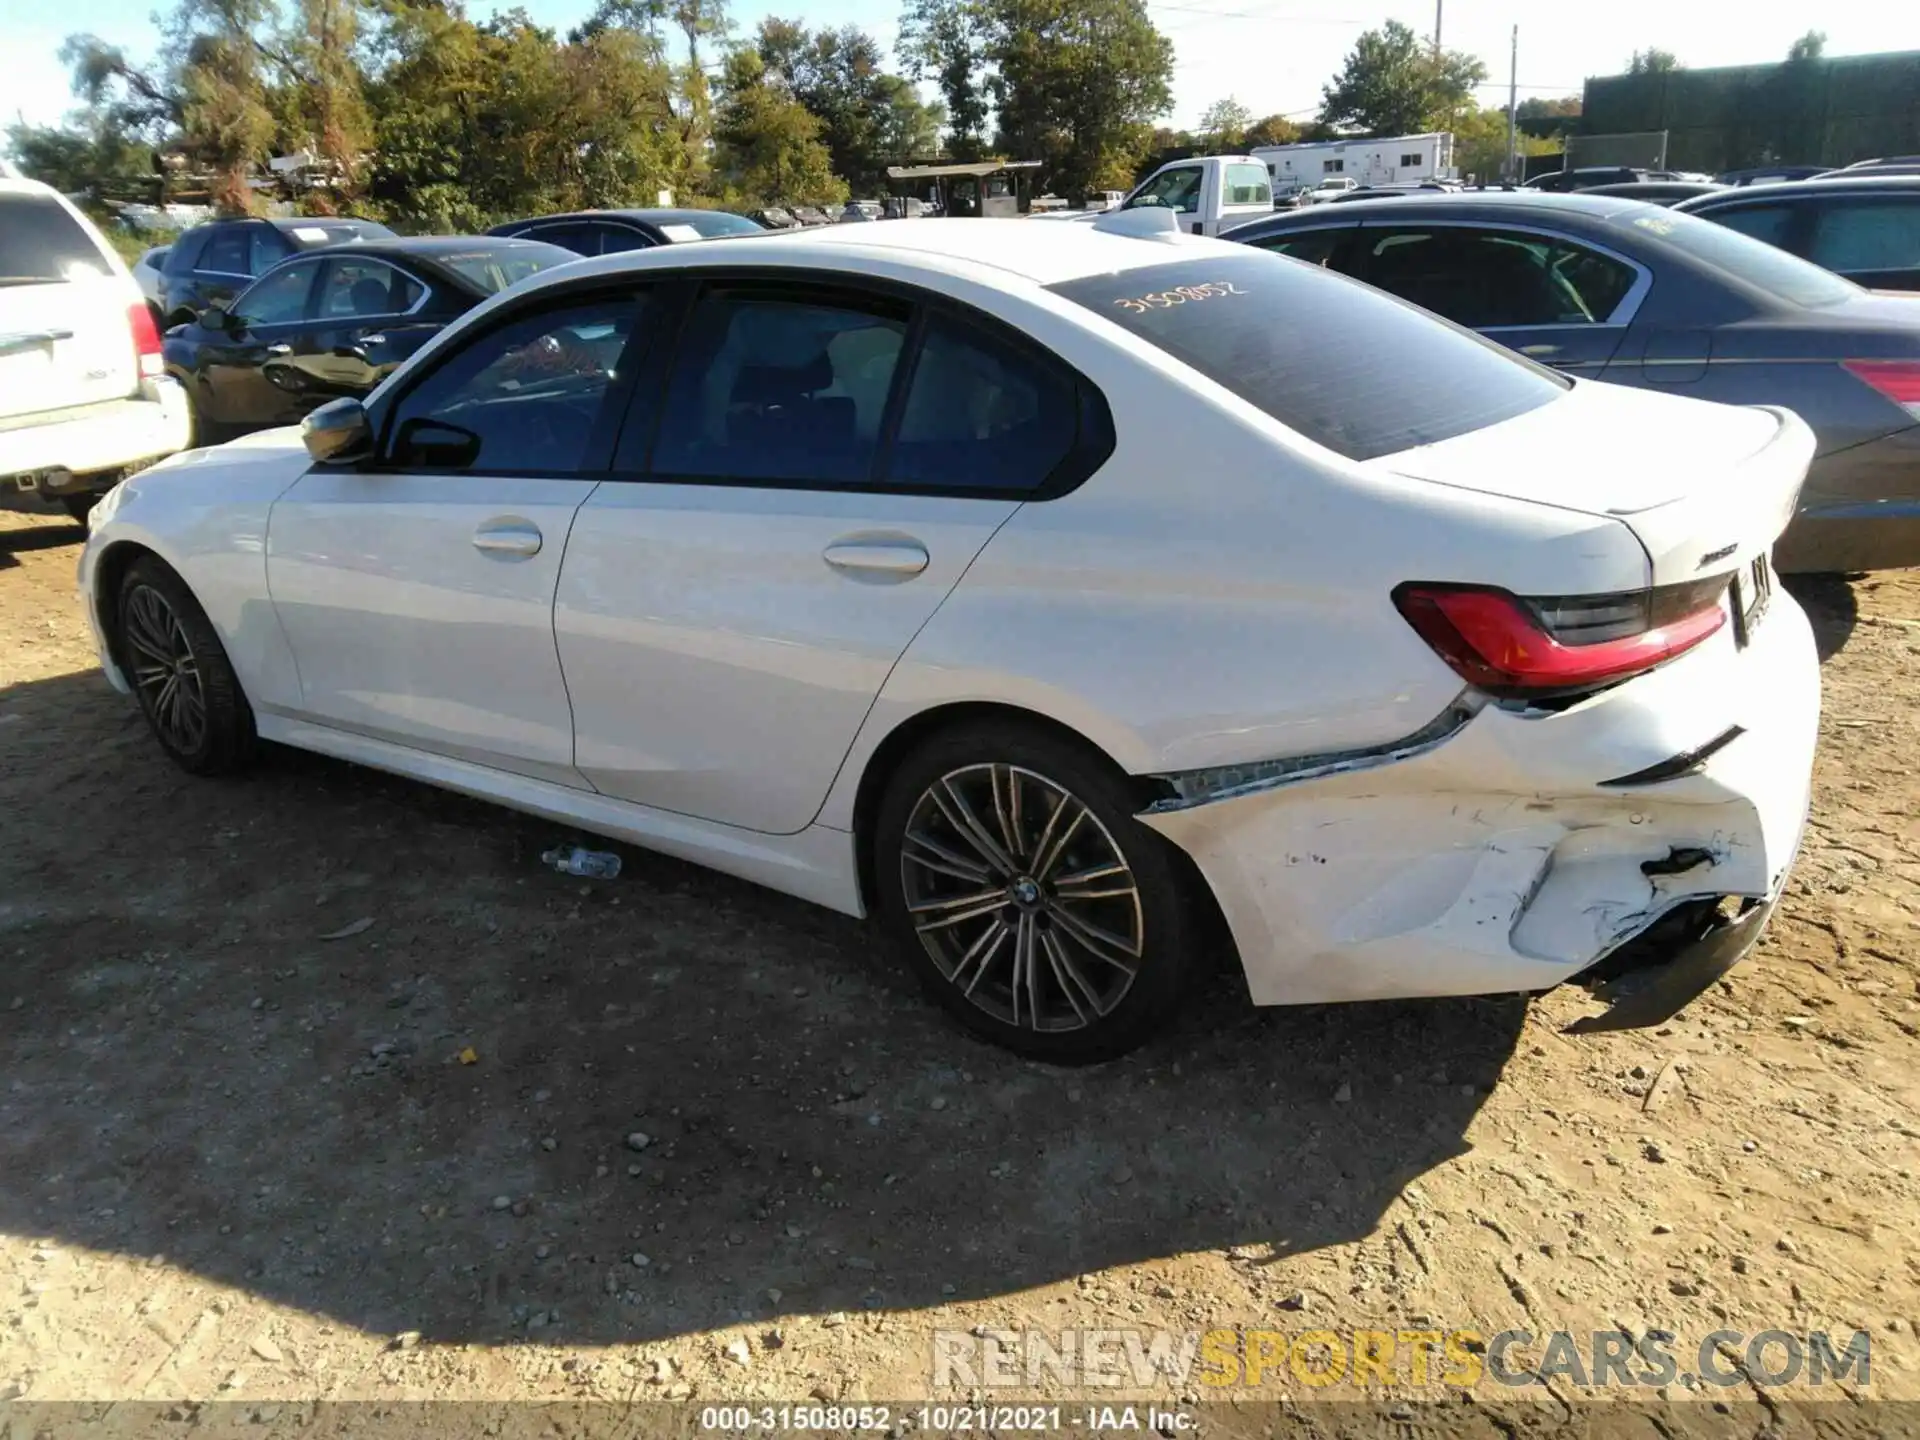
x=1068, y=601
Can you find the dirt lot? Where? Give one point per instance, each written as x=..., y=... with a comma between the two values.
x=238, y=1159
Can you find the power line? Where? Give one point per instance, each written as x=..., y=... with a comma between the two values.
x=1250, y=15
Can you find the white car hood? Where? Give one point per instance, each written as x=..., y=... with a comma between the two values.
x=1705, y=487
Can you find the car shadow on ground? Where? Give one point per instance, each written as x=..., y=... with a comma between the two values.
x=17, y=539
x=1831, y=606
x=515, y=1105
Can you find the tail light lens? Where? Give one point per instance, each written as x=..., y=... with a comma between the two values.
x=146, y=341
x=1516, y=647
x=1898, y=380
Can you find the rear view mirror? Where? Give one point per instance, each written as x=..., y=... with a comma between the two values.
x=338, y=430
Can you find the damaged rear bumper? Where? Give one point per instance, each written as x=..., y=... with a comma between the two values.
x=1499, y=860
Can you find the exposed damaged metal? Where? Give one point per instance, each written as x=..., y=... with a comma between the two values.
x=1230, y=782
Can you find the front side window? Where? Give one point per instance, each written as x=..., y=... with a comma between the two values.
x=771, y=388
x=524, y=397
x=1313, y=247
x=1306, y=347
x=578, y=238
x=278, y=297
x=1763, y=222
x=981, y=415
x=1868, y=235
x=265, y=249
x=1490, y=279
x=356, y=289
x=618, y=239
x=1175, y=189
x=1248, y=185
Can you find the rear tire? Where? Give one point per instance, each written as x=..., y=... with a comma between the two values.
x=173, y=658
x=1011, y=875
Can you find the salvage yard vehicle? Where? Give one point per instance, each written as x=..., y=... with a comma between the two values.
x=1864, y=225
x=873, y=564
x=326, y=325
x=1208, y=193
x=612, y=232
x=211, y=263
x=1640, y=295
x=83, y=399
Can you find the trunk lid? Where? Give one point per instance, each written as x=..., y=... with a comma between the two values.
x=1704, y=487
x=64, y=334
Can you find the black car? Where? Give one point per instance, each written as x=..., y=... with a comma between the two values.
x=321, y=326
x=773, y=217
x=1586, y=177
x=1771, y=174
x=608, y=232
x=1865, y=227
x=1623, y=291
x=212, y=263
x=1658, y=192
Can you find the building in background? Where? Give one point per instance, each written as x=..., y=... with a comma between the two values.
x=1396, y=160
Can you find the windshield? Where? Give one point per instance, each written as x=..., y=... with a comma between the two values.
x=1752, y=262
x=42, y=244
x=1347, y=366
x=493, y=268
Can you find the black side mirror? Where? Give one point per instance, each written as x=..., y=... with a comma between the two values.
x=434, y=445
x=338, y=430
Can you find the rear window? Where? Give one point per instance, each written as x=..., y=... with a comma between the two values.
x=1248, y=185
x=709, y=223
x=42, y=244
x=1345, y=365
x=310, y=234
x=1750, y=261
x=494, y=269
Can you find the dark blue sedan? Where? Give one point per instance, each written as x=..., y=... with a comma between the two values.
x=1618, y=290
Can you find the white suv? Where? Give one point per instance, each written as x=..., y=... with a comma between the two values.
x=83, y=396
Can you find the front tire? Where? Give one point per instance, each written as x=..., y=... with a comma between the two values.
x=173, y=658
x=1011, y=873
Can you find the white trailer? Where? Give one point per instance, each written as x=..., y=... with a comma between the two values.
x=1397, y=160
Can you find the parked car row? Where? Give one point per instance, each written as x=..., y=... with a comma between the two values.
x=874, y=564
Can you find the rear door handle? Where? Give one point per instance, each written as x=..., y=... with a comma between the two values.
x=899, y=556
x=508, y=538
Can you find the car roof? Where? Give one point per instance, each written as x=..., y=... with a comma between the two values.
x=1489, y=204
x=1042, y=254
x=682, y=216
x=432, y=246
x=1864, y=183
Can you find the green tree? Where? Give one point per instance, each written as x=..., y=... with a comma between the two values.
x=1224, y=124
x=1810, y=46
x=1652, y=62
x=766, y=143
x=1273, y=130
x=868, y=117
x=1077, y=84
x=74, y=160
x=1393, y=84
x=945, y=41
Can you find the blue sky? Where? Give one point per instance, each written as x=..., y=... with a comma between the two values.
x=1274, y=55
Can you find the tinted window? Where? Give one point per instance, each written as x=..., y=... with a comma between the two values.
x=770, y=388
x=1868, y=235
x=354, y=288
x=1248, y=185
x=1175, y=189
x=1315, y=247
x=523, y=397
x=578, y=238
x=1342, y=364
x=40, y=243
x=708, y=223
x=1763, y=222
x=184, y=253
x=616, y=239
x=1749, y=261
x=981, y=415
x=494, y=268
x=266, y=249
x=228, y=252
x=1493, y=278
x=277, y=298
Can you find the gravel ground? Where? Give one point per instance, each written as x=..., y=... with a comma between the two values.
x=518, y=1136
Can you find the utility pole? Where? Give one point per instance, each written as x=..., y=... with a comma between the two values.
x=1513, y=103
x=1438, y=7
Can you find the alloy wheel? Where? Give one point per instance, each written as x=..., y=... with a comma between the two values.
x=1022, y=898
x=166, y=673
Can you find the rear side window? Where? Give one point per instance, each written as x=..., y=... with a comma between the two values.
x=40, y=243
x=617, y=239
x=1314, y=247
x=1763, y=222
x=268, y=249
x=1494, y=279
x=227, y=252
x=1345, y=366
x=981, y=415
x=1868, y=235
x=1741, y=257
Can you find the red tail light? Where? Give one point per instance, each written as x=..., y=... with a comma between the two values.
x=146, y=341
x=1517, y=647
x=1898, y=380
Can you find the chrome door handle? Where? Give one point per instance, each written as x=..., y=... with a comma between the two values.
x=1538, y=351
x=279, y=349
x=890, y=556
x=508, y=537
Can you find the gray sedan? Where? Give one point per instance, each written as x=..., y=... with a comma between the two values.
x=1617, y=290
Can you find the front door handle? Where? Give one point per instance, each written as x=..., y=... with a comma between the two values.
x=889, y=555
x=508, y=538
x=1539, y=352
x=279, y=349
